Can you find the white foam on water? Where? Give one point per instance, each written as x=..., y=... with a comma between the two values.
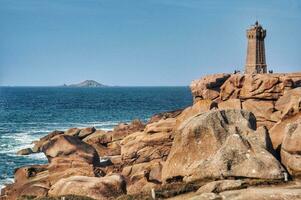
x=107, y=126
x=24, y=137
x=37, y=130
x=38, y=156
x=107, y=129
x=97, y=124
x=17, y=141
x=35, y=156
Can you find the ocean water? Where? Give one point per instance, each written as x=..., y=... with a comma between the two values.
x=28, y=113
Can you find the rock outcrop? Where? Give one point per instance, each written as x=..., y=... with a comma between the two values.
x=218, y=145
x=103, y=188
x=86, y=132
x=289, y=108
x=69, y=156
x=29, y=181
x=220, y=186
x=39, y=144
x=208, y=87
x=153, y=143
x=144, y=152
x=290, y=103
x=165, y=115
x=72, y=131
x=107, y=144
x=142, y=177
x=266, y=193
x=291, y=149
x=256, y=93
x=200, y=106
x=26, y=151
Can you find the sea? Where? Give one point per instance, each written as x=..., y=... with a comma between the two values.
x=28, y=113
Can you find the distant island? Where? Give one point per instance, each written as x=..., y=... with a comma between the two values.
x=87, y=84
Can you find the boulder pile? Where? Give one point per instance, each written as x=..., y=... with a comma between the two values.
x=240, y=139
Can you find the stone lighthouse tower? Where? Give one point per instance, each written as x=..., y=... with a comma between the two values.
x=255, y=63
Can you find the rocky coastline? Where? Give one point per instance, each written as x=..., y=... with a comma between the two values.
x=240, y=139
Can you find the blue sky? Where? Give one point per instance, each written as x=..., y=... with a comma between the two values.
x=140, y=42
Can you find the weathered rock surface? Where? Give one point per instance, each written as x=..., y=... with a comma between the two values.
x=143, y=154
x=206, y=196
x=258, y=93
x=231, y=88
x=142, y=177
x=165, y=115
x=38, y=144
x=220, y=144
x=29, y=180
x=266, y=193
x=166, y=125
x=86, y=132
x=199, y=106
x=278, y=130
x=108, y=143
x=99, y=136
x=124, y=129
x=97, y=188
x=290, y=103
x=72, y=131
x=69, y=156
x=103, y=143
x=259, y=86
x=26, y=151
x=269, y=193
x=230, y=104
x=290, y=190
x=152, y=144
x=68, y=147
x=263, y=110
x=208, y=87
x=220, y=186
x=291, y=149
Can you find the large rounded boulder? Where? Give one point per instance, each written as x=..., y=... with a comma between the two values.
x=108, y=187
x=69, y=156
x=220, y=144
x=65, y=146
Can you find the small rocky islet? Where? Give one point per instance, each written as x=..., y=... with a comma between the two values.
x=86, y=84
x=239, y=140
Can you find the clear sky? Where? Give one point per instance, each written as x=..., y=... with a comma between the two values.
x=140, y=42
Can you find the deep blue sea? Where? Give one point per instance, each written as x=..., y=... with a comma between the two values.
x=28, y=113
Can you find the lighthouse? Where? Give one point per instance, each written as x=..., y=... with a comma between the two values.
x=255, y=62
